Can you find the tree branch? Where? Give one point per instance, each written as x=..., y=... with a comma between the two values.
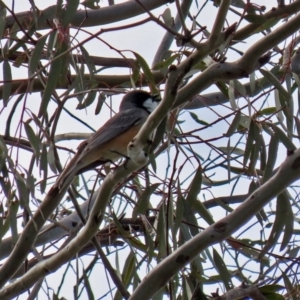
x=218, y=232
x=87, y=18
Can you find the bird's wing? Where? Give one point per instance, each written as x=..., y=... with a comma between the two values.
x=114, y=127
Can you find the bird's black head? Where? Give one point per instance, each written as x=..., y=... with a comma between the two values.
x=140, y=99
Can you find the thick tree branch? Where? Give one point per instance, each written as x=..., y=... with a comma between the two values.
x=20, y=86
x=249, y=62
x=268, y=42
x=288, y=173
x=281, y=12
x=87, y=18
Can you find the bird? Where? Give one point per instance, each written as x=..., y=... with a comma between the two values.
x=109, y=142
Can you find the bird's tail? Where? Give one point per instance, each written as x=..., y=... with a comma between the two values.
x=67, y=176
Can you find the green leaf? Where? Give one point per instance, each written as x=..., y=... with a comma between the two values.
x=89, y=62
x=252, y=83
x=44, y=168
x=87, y=286
x=186, y=290
x=3, y=148
x=161, y=233
x=58, y=72
x=268, y=24
x=253, y=158
x=244, y=123
x=243, y=248
x=272, y=157
x=92, y=4
x=2, y=19
x=36, y=55
x=143, y=202
x=7, y=84
x=234, y=124
x=289, y=287
x=283, y=138
x=267, y=289
x=179, y=210
x=231, y=94
x=152, y=161
x=289, y=221
x=165, y=63
x=193, y=202
x=189, y=215
x=222, y=270
x=238, y=3
x=256, y=19
x=239, y=88
x=197, y=120
x=12, y=215
x=51, y=159
x=273, y=296
x=5, y=221
x=209, y=182
x=232, y=150
x=268, y=75
x=88, y=100
x=147, y=72
x=69, y=12
x=128, y=271
x=33, y=140
x=100, y=101
x=267, y=111
x=22, y=190
x=54, y=74
x=167, y=17
x=279, y=223
x=30, y=183
x=249, y=142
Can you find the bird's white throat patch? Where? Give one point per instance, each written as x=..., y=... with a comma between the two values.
x=150, y=105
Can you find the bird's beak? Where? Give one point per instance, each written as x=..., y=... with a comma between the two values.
x=156, y=97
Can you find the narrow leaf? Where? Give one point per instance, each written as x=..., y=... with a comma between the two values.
x=167, y=17
x=100, y=101
x=161, y=233
x=256, y=19
x=289, y=222
x=2, y=19
x=51, y=159
x=88, y=100
x=272, y=157
x=36, y=55
x=276, y=83
x=143, y=203
x=165, y=63
x=192, y=200
x=231, y=94
x=223, y=271
x=7, y=85
x=70, y=11
x=44, y=168
x=278, y=225
x=249, y=143
x=234, y=124
x=147, y=71
x=33, y=140
x=283, y=138
x=197, y=120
